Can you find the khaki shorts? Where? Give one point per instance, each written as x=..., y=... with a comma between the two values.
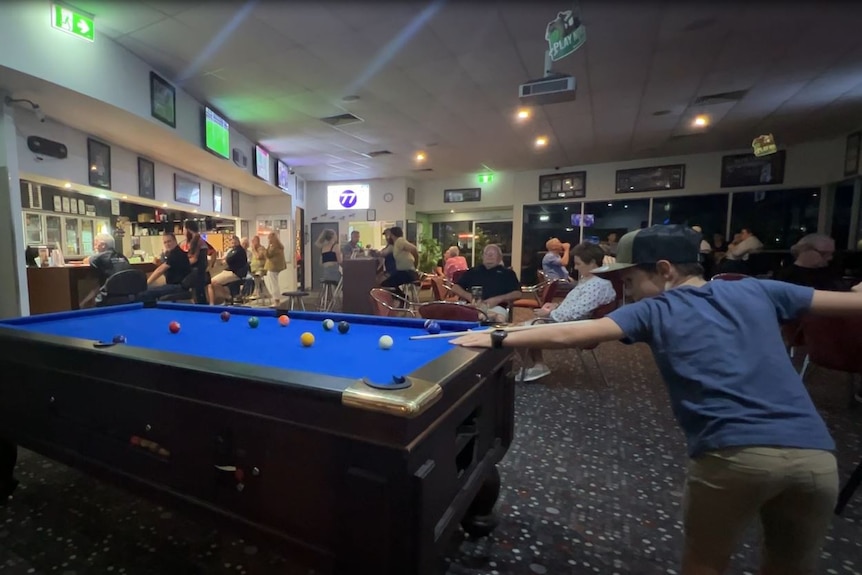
x=792, y=491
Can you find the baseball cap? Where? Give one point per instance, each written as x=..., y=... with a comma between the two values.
x=674, y=243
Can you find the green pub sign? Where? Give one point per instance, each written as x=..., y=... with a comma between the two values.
x=71, y=22
x=565, y=34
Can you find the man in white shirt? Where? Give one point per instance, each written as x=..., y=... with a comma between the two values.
x=747, y=244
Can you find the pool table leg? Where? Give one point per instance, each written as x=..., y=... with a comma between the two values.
x=8, y=458
x=481, y=519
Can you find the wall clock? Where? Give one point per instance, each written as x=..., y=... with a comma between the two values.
x=388, y=197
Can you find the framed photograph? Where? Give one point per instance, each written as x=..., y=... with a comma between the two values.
x=462, y=195
x=234, y=203
x=163, y=100
x=851, y=154
x=243, y=227
x=217, y=191
x=562, y=186
x=371, y=215
x=651, y=179
x=411, y=196
x=743, y=170
x=146, y=179
x=99, y=161
x=187, y=190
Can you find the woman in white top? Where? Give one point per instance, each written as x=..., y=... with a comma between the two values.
x=590, y=293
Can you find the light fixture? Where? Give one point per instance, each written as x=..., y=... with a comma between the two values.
x=523, y=114
x=67, y=185
x=164, y=205
x=451, y=211
x=102, y=197
x=125, y=197
x=541, y=142
x=420, y=156
x=701, y=121
x=610, y=205
x=486, y=178
x=195, y=211
x=93, y=168
x=566, y=208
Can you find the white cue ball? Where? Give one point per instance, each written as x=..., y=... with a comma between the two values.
x=385, y=342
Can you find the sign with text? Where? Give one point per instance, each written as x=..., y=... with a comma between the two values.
x=348, y=197
x=565, y=34
x=71, y=22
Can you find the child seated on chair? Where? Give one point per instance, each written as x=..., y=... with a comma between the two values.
x=590, y=293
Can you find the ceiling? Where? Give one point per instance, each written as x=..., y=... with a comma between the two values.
x=442, y=78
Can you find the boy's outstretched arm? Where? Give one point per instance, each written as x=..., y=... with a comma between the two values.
x=553, y=336
x=837, y=303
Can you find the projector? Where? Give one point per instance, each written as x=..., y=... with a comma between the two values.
x=548, y=90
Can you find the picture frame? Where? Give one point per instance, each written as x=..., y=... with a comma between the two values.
x=851, y=154
x=163, y=100
x=457, y=196
x=146, y=178
x=243, y=226
x=99, y=164
x=745, y=170
x=187, y=190
x=371, y=215
x=650, y=179
x=562, y=186
x=411, y=196
x=217, y=198
x=234, y=203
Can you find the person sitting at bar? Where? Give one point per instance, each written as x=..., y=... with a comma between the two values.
x=351, y=248
x=406, y=255
x=811, y=267
x=107, y=261
x=175, y=268
x=454, y=262
x=499, y=285
x=236, y=260
x=198, y=254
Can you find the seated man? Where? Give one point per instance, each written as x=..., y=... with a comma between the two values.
x=175, y=268
x=106, y=262
x=556, y=261
x=236, y=260
x=743, y=245
x=590, y=293
x=453, y=262
x=499, y=285
x=405, y=256
x=811, y=266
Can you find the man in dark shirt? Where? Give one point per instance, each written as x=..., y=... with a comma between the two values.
x=106, y=262
x=500, y=285
x=175, y=268
x=811, y=266
x=236, y=260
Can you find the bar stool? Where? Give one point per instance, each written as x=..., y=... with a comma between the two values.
x=294, y=300
x=263, y=295
x=329, y=292
x=411, y=291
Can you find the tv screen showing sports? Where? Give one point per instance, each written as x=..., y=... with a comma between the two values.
x=348, y=197
x=281, y=173
x=216, y=134
x=586, y=220
x=261, y=163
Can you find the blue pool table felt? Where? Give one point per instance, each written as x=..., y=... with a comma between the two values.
x=355, y=354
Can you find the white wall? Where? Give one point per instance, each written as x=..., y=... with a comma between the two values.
x=124, y=168
x=315, y=200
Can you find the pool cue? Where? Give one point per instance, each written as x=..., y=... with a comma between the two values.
x=490, y=329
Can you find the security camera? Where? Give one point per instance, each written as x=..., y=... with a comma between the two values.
x=40, y=115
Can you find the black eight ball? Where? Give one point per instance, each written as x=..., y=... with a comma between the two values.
x=343, y=327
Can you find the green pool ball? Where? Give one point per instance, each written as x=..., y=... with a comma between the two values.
x=253, y=322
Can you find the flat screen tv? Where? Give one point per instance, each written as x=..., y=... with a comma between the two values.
x=261, y=164
x=281, y=173
x=186, y=190
x=216, y=134
x=586, y=220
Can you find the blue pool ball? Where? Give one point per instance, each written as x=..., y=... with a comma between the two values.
x=119, y=339
x=328, y=324
x=433, y=328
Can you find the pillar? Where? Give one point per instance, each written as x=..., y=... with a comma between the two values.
x=14, y=300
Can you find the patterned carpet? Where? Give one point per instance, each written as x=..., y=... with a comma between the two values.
x=592, y=484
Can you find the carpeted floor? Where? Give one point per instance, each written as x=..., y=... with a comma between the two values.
x=592, y=484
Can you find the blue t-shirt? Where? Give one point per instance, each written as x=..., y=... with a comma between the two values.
x=720, y=352
x=552, y=266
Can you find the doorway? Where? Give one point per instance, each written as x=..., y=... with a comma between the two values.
x=299, y=219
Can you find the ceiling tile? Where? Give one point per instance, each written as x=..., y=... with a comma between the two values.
x=120, y=18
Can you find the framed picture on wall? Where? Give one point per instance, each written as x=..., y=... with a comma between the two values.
x=652, y=179
x=99, y=162
x=163, y=100
x=371, y=215
x=243, y=229
x=851, y=154
x=742, y=170
x=234, y=203
x=561, y=186
x=462, y=195
x=146, y=178
x=187, y=190
x=217, y=192
x=411, y=196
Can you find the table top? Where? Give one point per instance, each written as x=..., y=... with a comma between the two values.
x=203, y=334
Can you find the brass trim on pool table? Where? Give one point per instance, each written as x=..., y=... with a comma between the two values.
x=408, y=402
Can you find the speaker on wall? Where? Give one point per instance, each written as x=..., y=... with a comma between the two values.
x=239, y=158
x=45, y=147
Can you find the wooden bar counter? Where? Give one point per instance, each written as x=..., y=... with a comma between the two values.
x=55, y=289
x=359, y=276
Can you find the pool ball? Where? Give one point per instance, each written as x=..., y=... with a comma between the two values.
x=119, y=339
x=433, y=328
x=328, y=324
x=283, y=320
x=428, y=322
x=343, y=327
x=225, y=315
x=385, y=342
x=306, y=339
x=174, y=327
x=253, y=322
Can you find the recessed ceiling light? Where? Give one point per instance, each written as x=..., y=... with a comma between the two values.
x=701, y=121
x=610, y=205
x=125, y=197
x=164, y=205
x=541, y=141
x=451, y=211
x=523, y=114
x=67, y=185
x=420, y=157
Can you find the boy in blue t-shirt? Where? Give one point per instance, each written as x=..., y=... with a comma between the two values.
x=758, y=447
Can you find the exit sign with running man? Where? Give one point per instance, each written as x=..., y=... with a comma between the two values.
x=71, y=22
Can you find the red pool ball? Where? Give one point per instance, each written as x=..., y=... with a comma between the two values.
x=283, y=320
x=225, y=315
x=174, y=327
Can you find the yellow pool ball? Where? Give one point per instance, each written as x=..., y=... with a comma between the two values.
x=306, y=339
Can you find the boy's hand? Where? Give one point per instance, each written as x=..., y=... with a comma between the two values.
x=473, y=340
x=857, y=288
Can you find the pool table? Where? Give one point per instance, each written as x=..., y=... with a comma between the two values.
x=354, y=458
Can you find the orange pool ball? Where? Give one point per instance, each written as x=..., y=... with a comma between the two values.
x=283, y=320
x=306, y=339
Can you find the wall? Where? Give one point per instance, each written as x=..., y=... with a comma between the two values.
x=124, y=168
x=13, y=280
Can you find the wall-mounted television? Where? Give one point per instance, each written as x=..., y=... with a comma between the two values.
x=216, y=134
x=281, y=173
x=187, y=190
x=586, y=220
x=261, y=164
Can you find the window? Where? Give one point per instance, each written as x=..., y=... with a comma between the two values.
x=499, y=233
x=619, y=217
x=541, y=223
x=455, y=234
x=778, y=217
x=841, y=210
x=707, y=211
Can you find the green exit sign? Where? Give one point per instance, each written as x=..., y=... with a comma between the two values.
x=71, y=22
x=486, y=178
